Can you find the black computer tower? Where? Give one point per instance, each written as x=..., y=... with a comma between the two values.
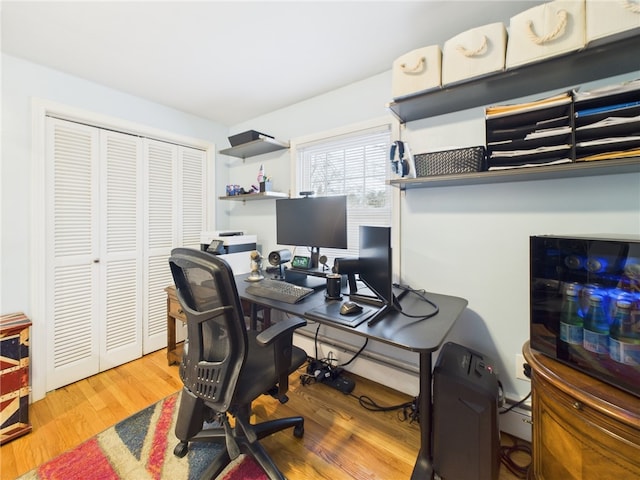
x=466, y=437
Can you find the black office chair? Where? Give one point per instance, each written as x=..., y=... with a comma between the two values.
x=224, y=367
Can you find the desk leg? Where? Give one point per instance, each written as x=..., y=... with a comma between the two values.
x=423, y=469
x=171, y=334
x=254, y=316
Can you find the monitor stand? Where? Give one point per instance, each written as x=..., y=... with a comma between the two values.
x=383, y=307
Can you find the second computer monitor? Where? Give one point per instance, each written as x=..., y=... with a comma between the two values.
x=374, y=263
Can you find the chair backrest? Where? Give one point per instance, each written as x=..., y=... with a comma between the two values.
x=216, y=345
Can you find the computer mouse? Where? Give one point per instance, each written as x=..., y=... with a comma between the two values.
x=350, y=308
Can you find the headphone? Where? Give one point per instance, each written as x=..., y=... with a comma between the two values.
x=399, y=166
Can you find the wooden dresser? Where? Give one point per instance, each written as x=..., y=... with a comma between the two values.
x=174, y=312
x=582, y=428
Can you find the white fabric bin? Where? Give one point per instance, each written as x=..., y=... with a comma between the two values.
x=545, y=31
x=475, y=52
x=417, y=70
x=606, y=17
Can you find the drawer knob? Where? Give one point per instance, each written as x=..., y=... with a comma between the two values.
x=180, y=311
x=577, y=405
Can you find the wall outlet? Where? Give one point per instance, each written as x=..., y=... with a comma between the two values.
x=520, y=361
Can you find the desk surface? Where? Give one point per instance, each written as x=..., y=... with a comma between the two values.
x=395, y=328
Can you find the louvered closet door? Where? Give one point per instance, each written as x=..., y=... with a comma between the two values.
x=116, y=206
x=72, y=252
x=94, y=300
x=120, y=295
x=191, y=209
x=161, y=221
x=174, y=217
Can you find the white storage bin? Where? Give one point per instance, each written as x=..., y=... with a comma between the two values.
x=545, y=31
x=417, y=70
x=606, y=17
x=475, y=52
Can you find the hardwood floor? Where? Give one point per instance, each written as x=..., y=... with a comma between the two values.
x=342, y=440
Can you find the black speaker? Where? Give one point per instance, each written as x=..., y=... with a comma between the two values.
x=466, y=436
x=278, y=257
x=345, y=265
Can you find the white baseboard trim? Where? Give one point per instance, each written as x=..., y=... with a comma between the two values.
x=516, y=422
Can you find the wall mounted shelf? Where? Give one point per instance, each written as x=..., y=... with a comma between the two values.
x=256, y=147
x=254, y=196
x=566, y=170
x=614, y=55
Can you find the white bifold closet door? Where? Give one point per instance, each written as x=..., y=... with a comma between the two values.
x=174, y=213
x=115, y=209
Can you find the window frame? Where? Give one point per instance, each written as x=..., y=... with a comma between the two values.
x=298, y=144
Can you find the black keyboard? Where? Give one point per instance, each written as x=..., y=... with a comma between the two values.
x=279, y=290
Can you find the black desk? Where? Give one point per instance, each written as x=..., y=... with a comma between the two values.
x=422, y=336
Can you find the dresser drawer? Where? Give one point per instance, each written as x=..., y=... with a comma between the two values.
x=174, y=308
x=582, y=429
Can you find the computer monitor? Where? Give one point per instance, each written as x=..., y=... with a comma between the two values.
x=375, y=269
x=312, y=222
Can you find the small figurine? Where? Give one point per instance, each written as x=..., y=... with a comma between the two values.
x=261, y=174
x=256, y=267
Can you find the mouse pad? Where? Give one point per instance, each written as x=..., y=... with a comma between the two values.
x=330, y=312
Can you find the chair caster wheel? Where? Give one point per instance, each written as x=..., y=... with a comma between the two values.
x=181, y=449
x=298, y=431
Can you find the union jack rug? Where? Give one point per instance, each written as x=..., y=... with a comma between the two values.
x=139, y=448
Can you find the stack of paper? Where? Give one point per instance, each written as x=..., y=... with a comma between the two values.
x=530, y=134
x=607, y=122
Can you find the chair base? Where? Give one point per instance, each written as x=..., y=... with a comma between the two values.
x=246, y=436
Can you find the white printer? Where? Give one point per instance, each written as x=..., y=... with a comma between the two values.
x=233, y=246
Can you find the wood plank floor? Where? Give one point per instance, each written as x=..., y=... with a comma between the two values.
x=342, y=440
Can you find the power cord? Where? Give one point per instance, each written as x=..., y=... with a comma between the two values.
x=507, y=453
x=329, y=366
x=321, y=369
x=408, y=410
x=514, y=405
x=422, y=295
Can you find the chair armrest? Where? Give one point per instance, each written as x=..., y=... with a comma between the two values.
x=276, y=330
x=280, y=335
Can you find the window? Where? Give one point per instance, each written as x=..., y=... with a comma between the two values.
x=355, y=165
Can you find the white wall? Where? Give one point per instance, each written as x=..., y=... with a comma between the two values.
x=353, y=104
x=23, y=81
x=468, y=241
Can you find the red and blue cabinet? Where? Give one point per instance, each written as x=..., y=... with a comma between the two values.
x=14, y=379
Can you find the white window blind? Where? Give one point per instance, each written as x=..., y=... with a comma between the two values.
x=355, y=165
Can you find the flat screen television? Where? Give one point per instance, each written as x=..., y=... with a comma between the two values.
x=314, y=222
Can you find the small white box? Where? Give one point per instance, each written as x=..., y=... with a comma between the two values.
x=606, y=17
x=545, y=31
x=417, y=70
x=475, y=52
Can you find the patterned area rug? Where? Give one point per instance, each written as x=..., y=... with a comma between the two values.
x=139, y=448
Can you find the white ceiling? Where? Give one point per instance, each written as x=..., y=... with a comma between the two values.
x=230, y=61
